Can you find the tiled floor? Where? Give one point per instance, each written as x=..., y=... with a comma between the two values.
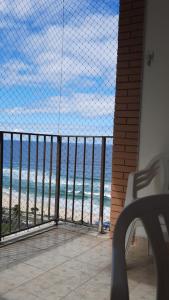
x=69, y=263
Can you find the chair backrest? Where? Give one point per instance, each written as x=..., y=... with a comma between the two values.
x=148, y=209
x=157, y=170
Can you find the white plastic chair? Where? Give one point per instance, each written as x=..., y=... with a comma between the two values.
x=158, y=172
x=148, y=209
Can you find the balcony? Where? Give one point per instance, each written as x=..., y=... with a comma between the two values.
x=59, y=251
x=69, y=262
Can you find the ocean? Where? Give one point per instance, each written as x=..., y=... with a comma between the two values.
x=50, y=175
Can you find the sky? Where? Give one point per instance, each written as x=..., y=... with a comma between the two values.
x=58, y=65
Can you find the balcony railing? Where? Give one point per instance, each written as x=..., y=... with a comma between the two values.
x=46, y=178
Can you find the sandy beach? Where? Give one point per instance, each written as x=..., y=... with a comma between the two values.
x=77, y=207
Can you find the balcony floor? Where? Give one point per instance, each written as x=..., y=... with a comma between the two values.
x=71, y=263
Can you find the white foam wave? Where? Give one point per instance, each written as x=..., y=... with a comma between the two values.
x=77, y=206
x=108, y=195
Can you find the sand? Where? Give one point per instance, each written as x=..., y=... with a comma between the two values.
x=77, y=208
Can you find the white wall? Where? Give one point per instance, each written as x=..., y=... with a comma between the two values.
x=154, y=135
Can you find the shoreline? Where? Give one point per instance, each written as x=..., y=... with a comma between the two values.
x=77, y=207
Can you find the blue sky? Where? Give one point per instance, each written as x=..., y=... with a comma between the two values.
x=33, y=94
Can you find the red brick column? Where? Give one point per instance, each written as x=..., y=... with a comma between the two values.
x=127, y=101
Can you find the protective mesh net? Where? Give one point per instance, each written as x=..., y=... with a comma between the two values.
x=58, y=65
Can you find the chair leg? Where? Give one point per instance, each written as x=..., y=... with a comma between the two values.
x=130, y=236
x=149, y=248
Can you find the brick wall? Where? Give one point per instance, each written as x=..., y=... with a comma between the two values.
x=128, y=94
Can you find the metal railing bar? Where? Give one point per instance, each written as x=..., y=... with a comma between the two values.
x=28, y=181
x=87, y=136
x=92, y=181
x=54, y=135
x=78, y=223
x=20, y=182
x=29, y=133
x=84, y=170
x=36, y=177
x=58, y=172
x=31, y=227
x=67, y=177
x=102, y=181
x=50, y=175
x=74, y=177
x=10, y=188
x=43, y=177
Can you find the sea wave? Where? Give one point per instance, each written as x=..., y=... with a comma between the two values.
x=62, y=205
x=32, y=175
x=79, y=192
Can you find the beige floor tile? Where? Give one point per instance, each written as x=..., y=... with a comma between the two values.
x=15, y=276
x=51, y=285
x=19, y=294
x=64, y=264
x=143, y=292
x=98, y=256
x=75, y=247
x=92, y=290
x=75, y=266
x=46, y=261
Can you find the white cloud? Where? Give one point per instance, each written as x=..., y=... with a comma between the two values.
x=93, y=105
x=86, y=105
x=16, y=72
x=17, y=8
x=21, y=8
x=94, y=27
x=89, y=50
x=3, y=5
